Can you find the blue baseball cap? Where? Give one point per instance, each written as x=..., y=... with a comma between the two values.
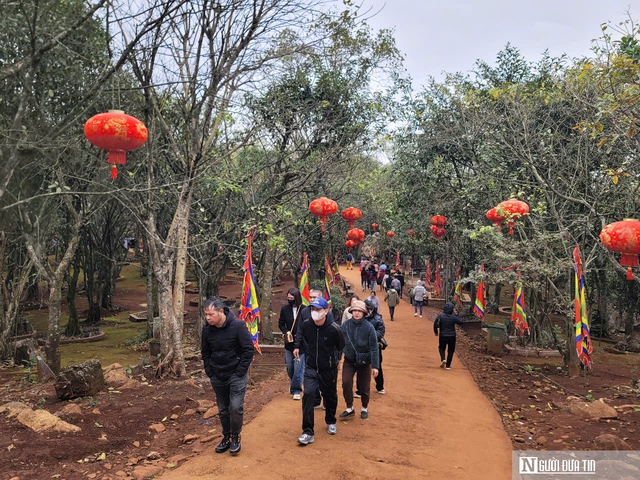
x=319, y=303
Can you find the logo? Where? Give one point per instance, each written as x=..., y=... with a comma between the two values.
x=549, y=466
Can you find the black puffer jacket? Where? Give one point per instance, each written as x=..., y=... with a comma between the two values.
x=323, y=345
x=375, y=319
x=226, y=350
x=360, y=338
x=446, y=322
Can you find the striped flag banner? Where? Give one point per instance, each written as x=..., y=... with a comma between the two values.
x=481, y=302
x=304, y=281
x=249, y=308
x=584, y=346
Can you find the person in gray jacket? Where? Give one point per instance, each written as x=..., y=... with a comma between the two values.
x=360, y=358
x=419, y=294
x=445, y=324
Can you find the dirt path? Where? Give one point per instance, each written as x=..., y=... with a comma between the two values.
x=431, y=423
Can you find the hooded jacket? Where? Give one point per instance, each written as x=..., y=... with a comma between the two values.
x=226, y=350
x=446, y=322
x=360, y=336
x=392, y=297
x=322, y=344
x=419, y=292
x=375, y=319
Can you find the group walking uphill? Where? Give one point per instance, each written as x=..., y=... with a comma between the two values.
x=314, y=344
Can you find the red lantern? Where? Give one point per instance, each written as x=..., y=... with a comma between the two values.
x=350, y=244
x=374, y=225
x=351, y=214
x=116, y=132
x=623, y=237
x=390, y=234
x=494, y=217
x=513, y=209
x=412, y=233
x=438, y=232
x=438, y=220
x=356, y=235
x=323, y=207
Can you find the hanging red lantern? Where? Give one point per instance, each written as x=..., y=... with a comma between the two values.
x=374, y=225
x=412, y=233
x=438, y=232
x=494, y=217
x=323, y=207
x=623, y=237
x=349, y=244
x=116, y=132
x=351, y=214
x=356, y=235
x=391, y=234
x=438, y=220
x=512, y=209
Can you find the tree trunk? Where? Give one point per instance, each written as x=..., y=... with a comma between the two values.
x=497, y=291
x=150, y=296
x=266, y=283
x=631, y=308
x=52, y=347
x=73, y=327
x=182, y=238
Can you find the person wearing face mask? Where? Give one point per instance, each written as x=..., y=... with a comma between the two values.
x=361, y=358
x=322, y=341
x=289, y=323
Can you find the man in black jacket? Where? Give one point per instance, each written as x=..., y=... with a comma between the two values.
x=227, y=352
x=322, y=341
x=446, y=322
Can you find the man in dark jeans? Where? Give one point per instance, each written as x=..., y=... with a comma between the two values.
x=446, y=323
x=321, y=339
x=227, y=352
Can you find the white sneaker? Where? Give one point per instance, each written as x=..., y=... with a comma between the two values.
x=443, y=363
x=381, y=392
x=296, y=396
x=448, y=368
x=415, y=315
x=306, y=439
x=356, y=395
x=332, y=429
x=420, y=316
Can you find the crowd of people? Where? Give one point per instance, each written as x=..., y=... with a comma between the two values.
x=315, y=345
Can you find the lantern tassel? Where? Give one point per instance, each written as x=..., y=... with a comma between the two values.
x=629, y=273
x=114, y=172
x=510, y=230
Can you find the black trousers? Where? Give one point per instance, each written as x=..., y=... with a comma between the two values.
x=327, y=383
x=380, y=377
x=230, y=400
x=448, y=343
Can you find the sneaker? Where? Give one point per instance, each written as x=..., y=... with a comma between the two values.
x=296, y=396
x=415, y=314
x=443, y=363
x=332, y=429
x=317, y=406
x=347, y=413
x=306, y=439
x=235, y=445
x=356, y=395
x=381, y=392
x=420, y=316
x=364, y=414
x=448, y=368
x=224, y=444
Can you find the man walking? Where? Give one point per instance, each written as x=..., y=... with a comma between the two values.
x=419, y=292
x=227, y=352
x=392, y=299
x=322, y=341
x=445, y=324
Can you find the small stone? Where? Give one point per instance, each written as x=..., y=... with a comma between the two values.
x=212, y=412
x=133, y=461
x=140, y=473
x=157, y=427
x=519, y=439
x=120, y=473
x=108, y=466
x=206, y=403
x=174, y=417
x=69, y=409
x=190, y=438
x=201, y=409
x=565, y=436
x=541, y=440
x=177, y=458
x=153, y=456
x=609, y=441
x=208, y=439
x=92, y=475
x=176, y=408
x=136, y=443
x=96, y=411
x=190, y=411
x=558, y=441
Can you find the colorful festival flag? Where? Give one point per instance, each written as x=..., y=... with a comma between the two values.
x=437, y=287
x=249, y=308
x=583, y=335
x=457, y=293
x=327, y=290
x=328, y=270
x=397, y=260
x=480, y=304
x=336, y=270
x=519, y=309
x=304, y=281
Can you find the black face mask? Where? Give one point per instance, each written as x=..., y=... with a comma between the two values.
x=292, y=302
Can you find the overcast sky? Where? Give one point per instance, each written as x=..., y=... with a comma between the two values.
x=449, y=35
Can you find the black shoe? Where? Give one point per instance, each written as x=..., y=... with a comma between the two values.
x=347, y=413
x=364, y=414
x=224, y=444
x=235, y=444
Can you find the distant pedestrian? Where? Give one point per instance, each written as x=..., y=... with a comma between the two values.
x=375, y=301
x=401, y=280
x=392, y=299
x=396, y=285
x=445, y=323
x=364, y=278
x=419, y=294
x=289, y=323
x=349, y=261
x=227, y=352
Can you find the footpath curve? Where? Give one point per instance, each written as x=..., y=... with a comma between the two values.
x=432, y=423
